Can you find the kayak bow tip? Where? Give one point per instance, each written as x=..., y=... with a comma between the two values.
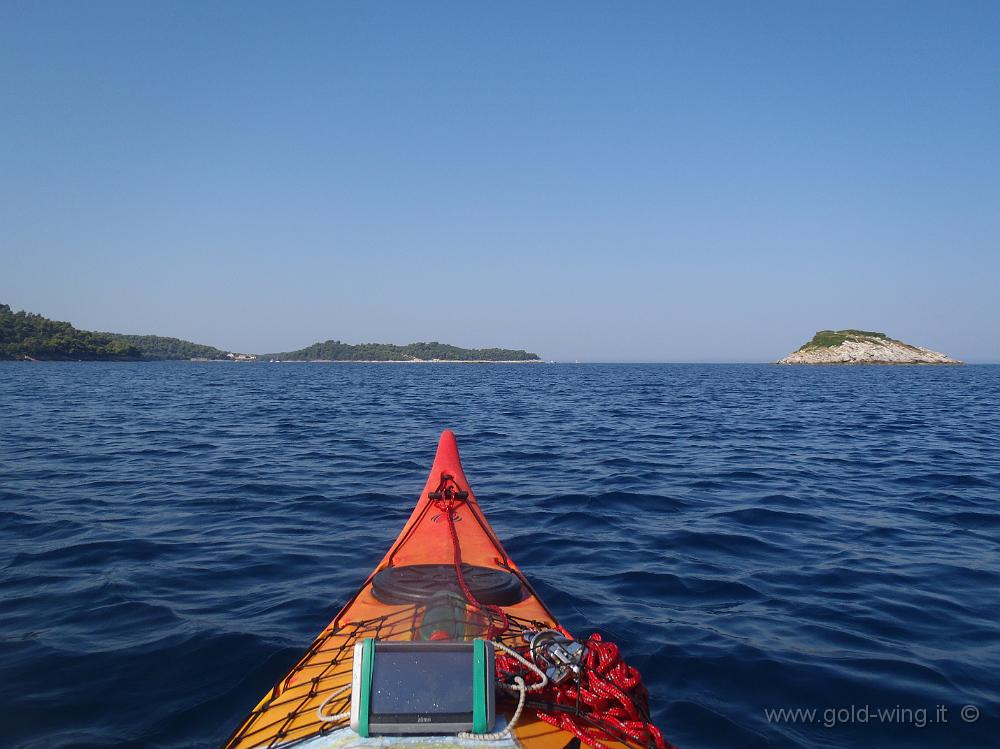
x=447, y=460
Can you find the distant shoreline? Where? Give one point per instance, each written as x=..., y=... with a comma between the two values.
x=762, y=364
x=380, y=361
x=26, y=335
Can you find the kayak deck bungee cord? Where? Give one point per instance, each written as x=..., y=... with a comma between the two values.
x=447, y=644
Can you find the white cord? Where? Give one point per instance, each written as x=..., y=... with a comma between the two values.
x=518, y=686
x=498, y=735
x=544, y=680
x=323, y=717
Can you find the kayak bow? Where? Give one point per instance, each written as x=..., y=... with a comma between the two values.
x=446, y=577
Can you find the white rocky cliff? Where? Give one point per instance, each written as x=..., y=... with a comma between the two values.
x=862, y=347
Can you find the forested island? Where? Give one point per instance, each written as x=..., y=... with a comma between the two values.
x=24, y=335
x=29, y=336
x=434, y=351
x=164, y=348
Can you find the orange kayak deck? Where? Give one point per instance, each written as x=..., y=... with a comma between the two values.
x=287, y=715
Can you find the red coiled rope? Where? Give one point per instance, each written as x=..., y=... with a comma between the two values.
x=608, y=702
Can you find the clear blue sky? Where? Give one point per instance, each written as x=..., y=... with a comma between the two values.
x=594, y=181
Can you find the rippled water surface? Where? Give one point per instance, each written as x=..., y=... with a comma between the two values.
x=173, y=535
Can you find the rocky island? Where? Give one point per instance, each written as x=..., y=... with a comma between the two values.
x=862, y=347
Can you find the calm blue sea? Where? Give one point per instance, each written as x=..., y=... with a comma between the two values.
x=756, y=538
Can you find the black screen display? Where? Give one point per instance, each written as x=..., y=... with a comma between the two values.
x=424, y=682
